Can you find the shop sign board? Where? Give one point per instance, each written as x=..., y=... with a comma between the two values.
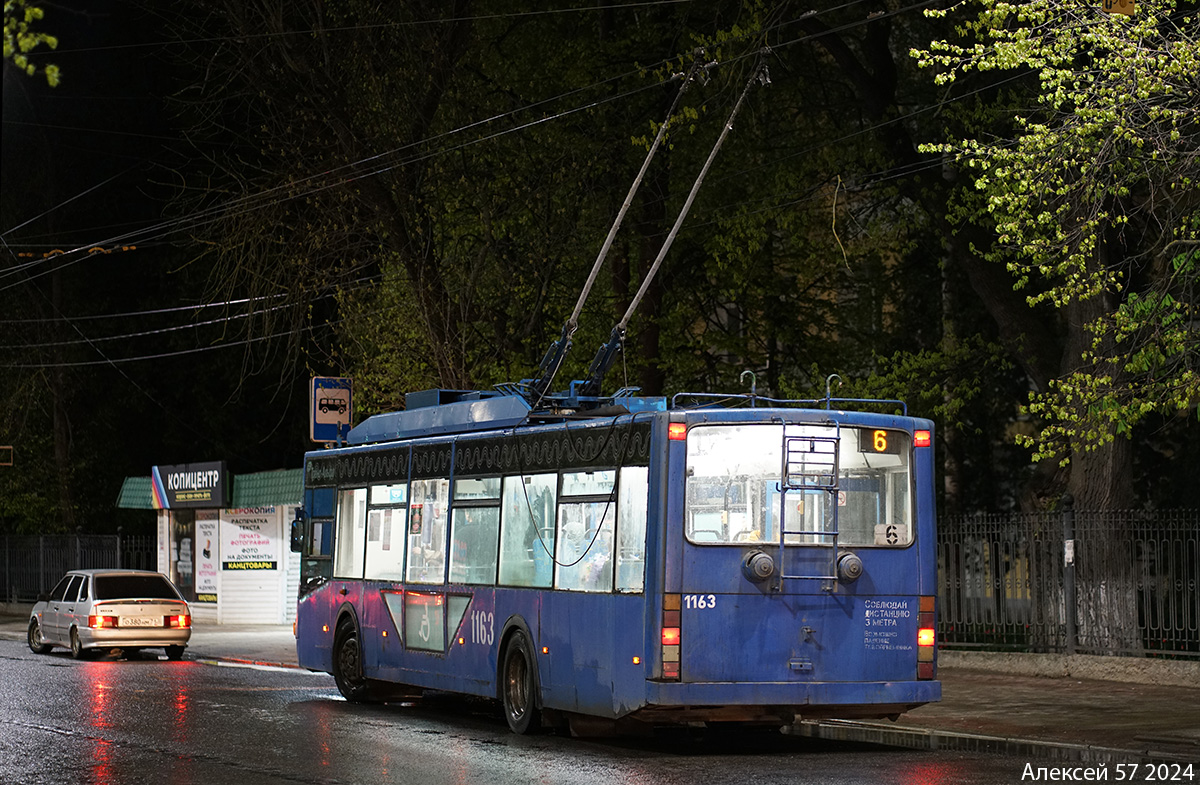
x=189, y=485
x=207, y=558
x=250, y=539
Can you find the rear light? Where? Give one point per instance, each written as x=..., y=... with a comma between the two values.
x=102, y=622
x=926, y=637
x=670, y=633
x=677, y=431
x=180, y=621
x=922, y=439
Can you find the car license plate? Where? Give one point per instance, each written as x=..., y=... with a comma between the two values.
x=141, y=621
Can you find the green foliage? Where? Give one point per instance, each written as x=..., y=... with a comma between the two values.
x=1092, y=194
x=20, y=38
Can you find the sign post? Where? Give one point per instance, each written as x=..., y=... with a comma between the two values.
x=330, y=408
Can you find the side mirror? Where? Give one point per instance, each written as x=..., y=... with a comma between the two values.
x=43, y=597
x=298, y=531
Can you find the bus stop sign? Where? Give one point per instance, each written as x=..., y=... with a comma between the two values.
x=330, y=409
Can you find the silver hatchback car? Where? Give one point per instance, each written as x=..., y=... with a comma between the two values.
x=111, y=609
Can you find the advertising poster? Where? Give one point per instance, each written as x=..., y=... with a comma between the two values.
x=207, y=554
x=246, y=539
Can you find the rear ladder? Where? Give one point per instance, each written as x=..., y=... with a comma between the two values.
x=810, y=466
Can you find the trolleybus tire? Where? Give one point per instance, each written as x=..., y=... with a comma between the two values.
x=347, y=665
x=518, y=686
x=35, y=638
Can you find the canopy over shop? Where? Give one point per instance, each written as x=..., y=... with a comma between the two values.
x=222, y=538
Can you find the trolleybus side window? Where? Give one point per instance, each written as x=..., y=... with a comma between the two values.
x=427, y=508
x=351, y=530
x=631, y=528
x=474, y=533
x=527, y=530
x=385, y=532
x=587, y=514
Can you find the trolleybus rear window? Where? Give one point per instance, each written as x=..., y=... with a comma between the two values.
x=741, y=479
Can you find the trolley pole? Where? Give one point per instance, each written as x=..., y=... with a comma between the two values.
x=1069, y=603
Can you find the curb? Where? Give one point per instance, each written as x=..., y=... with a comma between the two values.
x=927, y=739
x=244, y=663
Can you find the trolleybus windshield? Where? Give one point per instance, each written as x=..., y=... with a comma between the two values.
x=739, y=483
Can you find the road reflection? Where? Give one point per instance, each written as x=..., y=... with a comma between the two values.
x=98, y=683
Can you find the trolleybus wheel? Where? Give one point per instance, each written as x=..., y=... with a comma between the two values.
x=518, y=686
x=347, y=665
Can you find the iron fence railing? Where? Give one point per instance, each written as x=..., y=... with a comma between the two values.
x=30, y=565
x=1122, y=582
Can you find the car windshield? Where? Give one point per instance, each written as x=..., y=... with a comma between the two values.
x=116, y=587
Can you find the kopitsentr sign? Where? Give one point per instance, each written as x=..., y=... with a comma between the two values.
x=190, y=485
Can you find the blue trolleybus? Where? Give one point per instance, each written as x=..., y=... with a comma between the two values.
x=644, y=562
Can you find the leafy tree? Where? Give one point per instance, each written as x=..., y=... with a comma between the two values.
x=20, y=38
x=1090, y=186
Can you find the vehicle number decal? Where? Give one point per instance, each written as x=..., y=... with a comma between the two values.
x=483, y=627
x=699, y=601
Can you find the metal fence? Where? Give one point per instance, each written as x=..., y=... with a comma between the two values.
x=1120, y=582
x=32, y=565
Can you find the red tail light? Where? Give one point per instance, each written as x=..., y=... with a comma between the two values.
x=670, y=631
x=926, y=636
x=99, y=622
x=922, y=439
x=180, y=621
x=677, y=431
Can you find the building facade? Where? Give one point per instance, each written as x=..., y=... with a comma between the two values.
x=224, y=539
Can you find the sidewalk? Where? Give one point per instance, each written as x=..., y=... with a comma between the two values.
x=1143, y=711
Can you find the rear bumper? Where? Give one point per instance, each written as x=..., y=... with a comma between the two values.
x=134, y=638
x=677, y=701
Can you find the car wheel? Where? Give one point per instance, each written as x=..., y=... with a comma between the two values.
x=518, y=686
x=35, y=638
x=175, y=652
x=77, y=650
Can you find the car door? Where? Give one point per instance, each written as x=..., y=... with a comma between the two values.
x=52, y=619
x=75, y=612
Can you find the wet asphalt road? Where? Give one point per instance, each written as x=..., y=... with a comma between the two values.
x=144, y=720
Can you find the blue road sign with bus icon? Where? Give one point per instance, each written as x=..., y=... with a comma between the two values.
x=330, y=407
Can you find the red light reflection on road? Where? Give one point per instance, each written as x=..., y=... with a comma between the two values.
x=100, y=704
x=930, y=773
x=99, y=692
x=102, y=764
x=322, y=728
x=180, y=708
